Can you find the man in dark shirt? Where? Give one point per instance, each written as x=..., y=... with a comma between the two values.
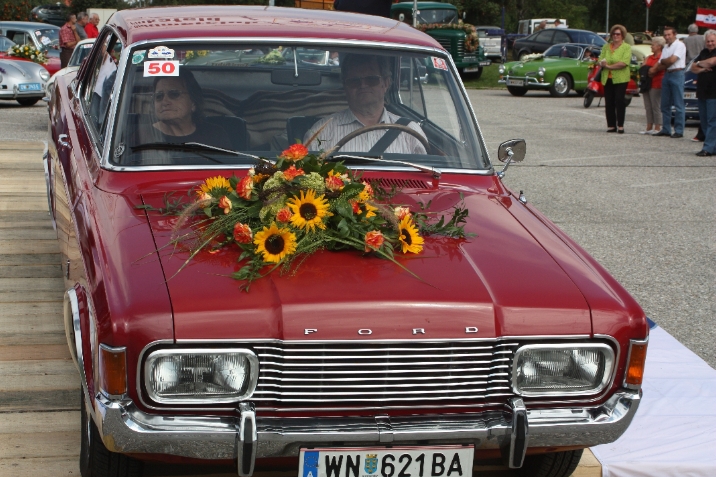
x=705, y=67
x=371, y=7
x=82, y=20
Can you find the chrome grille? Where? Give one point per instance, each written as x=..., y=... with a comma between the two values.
x=460, y=48
x=383, y=374
x=445, y=43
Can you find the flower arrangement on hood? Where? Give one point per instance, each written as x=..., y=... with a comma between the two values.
x=281, y=211
x=531, y=56
x=27, y=52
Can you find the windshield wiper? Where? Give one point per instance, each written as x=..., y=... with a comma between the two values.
x=436, y=173
x=193, y=147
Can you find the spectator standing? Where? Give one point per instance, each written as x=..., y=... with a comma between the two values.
x=614, y=61
x=82, y=20
x=652, y=98
x=672, y=86
x=705, y=67
x=91, y=28
x=68, y=39
x=694, y=43
x=542, y=25
x=380, y=8
x=558, y=24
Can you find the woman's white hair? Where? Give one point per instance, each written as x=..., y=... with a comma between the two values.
x=659, y=40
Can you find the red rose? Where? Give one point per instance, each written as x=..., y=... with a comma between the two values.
x=225, y=203
x=284, y=215
x=295, y=153
x=291, y=173
x=334, y=183
x=245, y=187
x=373, y=240
x=242, y=233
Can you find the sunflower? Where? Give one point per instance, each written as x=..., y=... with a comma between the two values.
x=308, y=210
x=214, y=185
x=275, y=243
x=410, y=240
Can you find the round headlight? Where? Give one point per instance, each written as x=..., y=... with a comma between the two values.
x=501, y=69
x=541, y=71
x=44, y=75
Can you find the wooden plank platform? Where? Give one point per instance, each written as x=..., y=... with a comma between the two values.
x=39, y=385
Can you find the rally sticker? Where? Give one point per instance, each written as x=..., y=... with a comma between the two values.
x=439, y=63
x=38, y=33
x=161, y=52
x=44, y=40
x=138, y=56
x=161, y=68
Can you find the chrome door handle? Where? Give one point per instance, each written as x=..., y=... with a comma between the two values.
x=62, y=140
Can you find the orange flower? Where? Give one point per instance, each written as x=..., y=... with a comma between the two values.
x=368, y=188
x=284, y=215
x=245, y=187
x=356, y=206
x=373, y=240
x=295, y=153
x=203, y=196
x=242, y=233
x=334, y=183
x=291, y=173
x=401, y=212
x=225, y=203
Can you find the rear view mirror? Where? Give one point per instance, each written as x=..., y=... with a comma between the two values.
x=511, y=151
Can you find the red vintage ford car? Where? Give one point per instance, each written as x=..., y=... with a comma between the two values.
x=416, y=356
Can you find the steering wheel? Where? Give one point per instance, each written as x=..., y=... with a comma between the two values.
x=366, y=129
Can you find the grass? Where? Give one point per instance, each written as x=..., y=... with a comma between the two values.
x=488, y=79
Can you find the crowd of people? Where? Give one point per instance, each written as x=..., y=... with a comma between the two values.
x=662, y=83
x=77, y=28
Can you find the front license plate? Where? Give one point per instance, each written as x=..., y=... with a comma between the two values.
x=437, y=461
x=689, y=95
x=471, y=69
x=515, y=82
x=30, y=87
x=486, y=63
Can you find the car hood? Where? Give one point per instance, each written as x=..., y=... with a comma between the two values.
x=517, y=67
x=19, y=68
x=501, y=282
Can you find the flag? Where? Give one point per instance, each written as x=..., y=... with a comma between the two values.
x=706, y=17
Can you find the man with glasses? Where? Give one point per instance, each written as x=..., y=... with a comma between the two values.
x=366, y=79
x=672, y=86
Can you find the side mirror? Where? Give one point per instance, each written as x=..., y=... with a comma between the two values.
x=511, y=151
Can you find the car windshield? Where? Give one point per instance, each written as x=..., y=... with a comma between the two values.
x=437, y=16
x=80, y=53
x=48, y=37
x=216, y=104
x=564, y=51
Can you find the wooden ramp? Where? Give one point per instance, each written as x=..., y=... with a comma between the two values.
x=39, y=385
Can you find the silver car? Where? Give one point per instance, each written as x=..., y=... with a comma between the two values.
x=22, y=81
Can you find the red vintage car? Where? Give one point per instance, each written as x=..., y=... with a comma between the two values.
x=415, y=357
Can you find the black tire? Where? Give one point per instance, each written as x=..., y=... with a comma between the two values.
x=556, y=464
x=627, y=100
x=588, y=98
x=517, y=91
x=561, y=86
x=96, y=460
x=28, y=101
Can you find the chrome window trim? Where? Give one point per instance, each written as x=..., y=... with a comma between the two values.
x=626, y=363
x=113, y=349
x=607, y=379
x=253, y=374
x=124, y=61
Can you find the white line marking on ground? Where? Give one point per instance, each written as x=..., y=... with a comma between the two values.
x=678, y=181
x=596, y=157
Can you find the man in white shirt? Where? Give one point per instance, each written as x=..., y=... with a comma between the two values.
x=673, y=58
x=558, y=24
x=366, y=79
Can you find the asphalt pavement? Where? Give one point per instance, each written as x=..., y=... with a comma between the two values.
x=643, y=206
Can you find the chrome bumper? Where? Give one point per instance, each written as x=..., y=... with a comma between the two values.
x=530, y=81
x=247, y=436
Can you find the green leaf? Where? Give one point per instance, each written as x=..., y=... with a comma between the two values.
x=207, y=211
x=344, y=208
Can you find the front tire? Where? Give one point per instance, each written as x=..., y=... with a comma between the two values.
x=588, y=98
x=95, y=459
x=561, y=86
x=556, y=464
x=517, y=91
x=28, y=101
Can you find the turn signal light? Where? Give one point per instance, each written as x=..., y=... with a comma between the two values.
x=635, y=367
x=113, y=370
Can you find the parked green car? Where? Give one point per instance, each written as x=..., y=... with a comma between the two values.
x=442, y=22
x=562, y=68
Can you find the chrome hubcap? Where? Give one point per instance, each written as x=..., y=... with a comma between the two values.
x=561, y=85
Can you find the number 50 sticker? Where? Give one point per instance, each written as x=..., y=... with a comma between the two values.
x=161, y=68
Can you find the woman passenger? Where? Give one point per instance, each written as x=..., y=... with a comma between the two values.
x=614, y=60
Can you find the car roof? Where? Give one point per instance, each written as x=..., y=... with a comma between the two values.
x=27, y=25
x=211, y=21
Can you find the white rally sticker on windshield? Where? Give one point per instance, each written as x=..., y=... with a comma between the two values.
x=161, y=52
x=439, y=63
x=161, y=68
x=46, y=41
